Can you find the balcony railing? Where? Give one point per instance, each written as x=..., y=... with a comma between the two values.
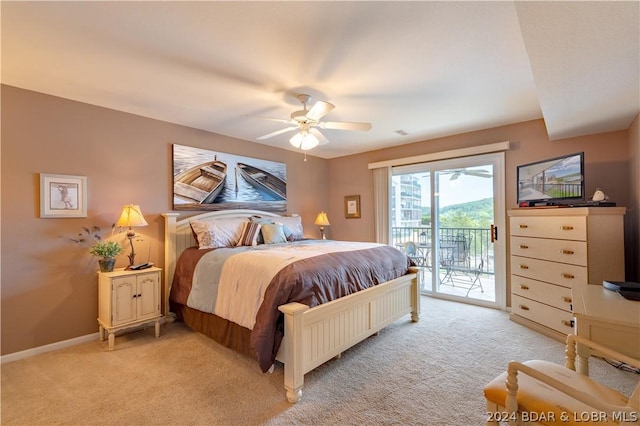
x=480, y=246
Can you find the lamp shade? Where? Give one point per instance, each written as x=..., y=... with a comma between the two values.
x=131, y=216
x=304, y=140
x=322, y=219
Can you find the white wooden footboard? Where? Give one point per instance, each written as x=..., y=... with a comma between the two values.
x=315, y=335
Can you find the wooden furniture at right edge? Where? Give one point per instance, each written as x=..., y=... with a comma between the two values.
x=555, y=250
x=607, y=318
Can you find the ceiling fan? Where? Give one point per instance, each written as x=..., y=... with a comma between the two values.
x=456, y=173
x=306, y=121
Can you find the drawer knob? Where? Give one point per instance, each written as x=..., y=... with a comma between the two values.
x=568, y=276
x=567, y=323
x=524, y=287
x=564, y=251
x=522, y=246
x=524, y=307
x=566, y=299
x=523, y=226
x=524, y=267
x=567, y=228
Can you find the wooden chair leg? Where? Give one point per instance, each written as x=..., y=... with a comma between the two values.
x=492, y=416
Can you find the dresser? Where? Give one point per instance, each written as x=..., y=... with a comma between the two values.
x=554, y=250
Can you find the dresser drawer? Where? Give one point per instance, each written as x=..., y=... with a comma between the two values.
x=561, y=274
x=555, y=319
x=563, y=251
x=549, y=294
x=556, y=227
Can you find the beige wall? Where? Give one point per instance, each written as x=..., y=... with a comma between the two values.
x=48, y=284
x=633, y=213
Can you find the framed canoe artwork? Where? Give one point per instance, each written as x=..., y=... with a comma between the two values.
x=212, y=180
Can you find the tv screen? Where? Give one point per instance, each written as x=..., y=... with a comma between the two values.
x=554, y=181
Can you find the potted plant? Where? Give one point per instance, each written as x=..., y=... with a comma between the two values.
x=107, y=251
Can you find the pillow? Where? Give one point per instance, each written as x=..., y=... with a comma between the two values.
x=293, y=227
x=250, y=232
x=262, y=221
x=273, y=233
x=218, y=232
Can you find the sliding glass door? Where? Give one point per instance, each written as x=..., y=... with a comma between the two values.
x=446, y=215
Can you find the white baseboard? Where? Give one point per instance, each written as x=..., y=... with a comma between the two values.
x=48, y=348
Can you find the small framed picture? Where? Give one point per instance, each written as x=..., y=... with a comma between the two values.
x=352, y=206
x=63, y=196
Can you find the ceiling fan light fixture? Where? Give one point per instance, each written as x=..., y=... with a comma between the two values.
x=304, y=140
x=308, y=120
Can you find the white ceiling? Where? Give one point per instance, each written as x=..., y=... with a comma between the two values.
x=429, y=69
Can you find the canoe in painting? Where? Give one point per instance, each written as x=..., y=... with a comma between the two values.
x=263, y=181
x=202, y=183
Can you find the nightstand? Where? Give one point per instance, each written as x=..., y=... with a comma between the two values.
x=128, y=299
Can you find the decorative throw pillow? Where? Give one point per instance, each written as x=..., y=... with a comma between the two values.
x=218, y=232
x=262, y=221
x=250, y=232
x=273, y=233
x=293, y=227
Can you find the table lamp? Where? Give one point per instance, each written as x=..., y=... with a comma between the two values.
x=323, y=221
x=131, y=216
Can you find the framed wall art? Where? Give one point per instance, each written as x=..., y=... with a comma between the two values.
x=63, y=196
x=352, y=206
x=212, y=180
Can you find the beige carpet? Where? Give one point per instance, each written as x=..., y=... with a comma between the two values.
x=428, y=373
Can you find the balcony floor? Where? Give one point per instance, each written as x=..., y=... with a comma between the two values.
x=459, y=285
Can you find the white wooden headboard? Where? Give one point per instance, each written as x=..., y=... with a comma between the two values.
x=178, y=236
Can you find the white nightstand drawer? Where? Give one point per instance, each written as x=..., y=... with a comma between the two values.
x=555, y=319
x=556, y=227
x=563, y=251
x=543, y=270
x=549, y=294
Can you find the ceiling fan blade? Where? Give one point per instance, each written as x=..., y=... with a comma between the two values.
x=479, y=173
x=319, y=110
x=323, y=140
x=279, y=120
x=276, y=133
x=342, y=125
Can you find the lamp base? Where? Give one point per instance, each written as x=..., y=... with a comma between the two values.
x=132, y=255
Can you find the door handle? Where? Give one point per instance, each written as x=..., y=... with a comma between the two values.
x=494, y=233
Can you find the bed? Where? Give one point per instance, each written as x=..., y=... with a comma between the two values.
x=306, y=334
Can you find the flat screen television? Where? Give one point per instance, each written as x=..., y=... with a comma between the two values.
x=555, y=181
